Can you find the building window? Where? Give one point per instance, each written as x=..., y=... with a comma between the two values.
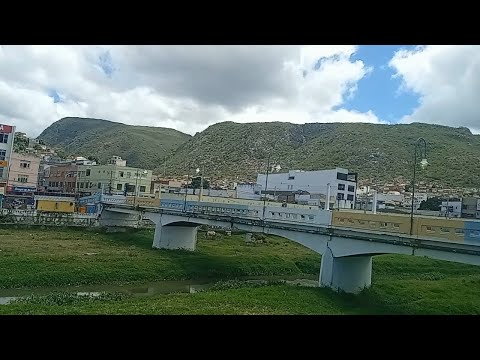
x=119, y=186
x=3, y=138
x=121, y=173
x=142, y=189
x=129, y=175
x=341, y=176
x=351, y=188
x=81, y=185
x=88, y=172
x=22, y=178
x=350, y=197
x=291, y=178
x=3, y=153
x=341, y=186
x=1, y=172
x=340, y=196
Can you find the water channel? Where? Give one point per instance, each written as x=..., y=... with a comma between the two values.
x=146, y=289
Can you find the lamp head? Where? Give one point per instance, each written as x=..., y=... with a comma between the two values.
x=424, y=163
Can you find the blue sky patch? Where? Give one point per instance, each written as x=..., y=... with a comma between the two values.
x=106, y=63
x=379, y=91
x=55, y=96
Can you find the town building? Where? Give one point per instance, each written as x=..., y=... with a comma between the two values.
x=470, y=207
x=117, y=160
x=61, y=178
x=419, y=197
x=113, y=179
x=162, y=185
x=338, y=182
x=249, y=191
x=451, y=209
x=23, y=174
x=7, y=134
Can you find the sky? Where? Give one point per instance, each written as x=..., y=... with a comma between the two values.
x=189, y=88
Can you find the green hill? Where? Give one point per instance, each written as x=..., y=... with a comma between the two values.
x=141, y=146
x=239, y=151
x=385, y=151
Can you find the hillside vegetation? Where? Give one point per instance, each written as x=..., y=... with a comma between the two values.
x=239, y=151
x=381, y=151
x=141, y=146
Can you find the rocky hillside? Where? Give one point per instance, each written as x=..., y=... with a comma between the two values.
x=141, y=146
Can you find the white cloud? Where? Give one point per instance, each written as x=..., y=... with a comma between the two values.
x=184, y=87
x=447, y=78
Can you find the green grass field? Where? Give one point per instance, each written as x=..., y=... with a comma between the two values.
x=60, y=257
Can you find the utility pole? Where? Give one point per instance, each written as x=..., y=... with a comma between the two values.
x=200, y=193
x=266, y=185
x=186, y=189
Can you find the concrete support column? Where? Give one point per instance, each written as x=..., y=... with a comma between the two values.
x=374, y=203
x=175, y=237
x=350, y=274
x=118, y=219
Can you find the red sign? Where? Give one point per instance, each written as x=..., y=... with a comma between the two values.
x=6, y=129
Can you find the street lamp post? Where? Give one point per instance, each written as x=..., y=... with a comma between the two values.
x=423, y=163
x=202, y=174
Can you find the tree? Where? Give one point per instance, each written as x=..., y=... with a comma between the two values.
x=196, y=183
x=20, y=143
x=433, y=203
x=61, y=153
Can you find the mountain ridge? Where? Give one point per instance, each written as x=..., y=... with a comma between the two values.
x=238, y=151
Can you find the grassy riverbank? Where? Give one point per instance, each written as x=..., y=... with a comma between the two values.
x=57, y=257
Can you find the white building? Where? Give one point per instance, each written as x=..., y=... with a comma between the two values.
x=248, y=191
x=117, y=160
x=7, y=134
x=407, y=201
x=342, y=184
x=451, y=208
x=80, y=160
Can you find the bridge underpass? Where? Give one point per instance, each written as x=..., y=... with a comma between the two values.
x=346, y=253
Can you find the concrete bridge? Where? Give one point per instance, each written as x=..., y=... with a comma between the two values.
x=346, y=253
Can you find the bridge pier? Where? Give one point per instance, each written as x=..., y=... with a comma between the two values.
x=120, y=219
x=175, y=237
x=350, y=274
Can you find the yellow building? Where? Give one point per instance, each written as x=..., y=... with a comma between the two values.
x=55, y=204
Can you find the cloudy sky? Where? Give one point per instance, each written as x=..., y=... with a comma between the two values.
x=189, y=88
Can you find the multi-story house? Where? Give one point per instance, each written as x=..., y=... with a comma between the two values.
x=7, y=134
x=23, y=174
x=113, y=179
